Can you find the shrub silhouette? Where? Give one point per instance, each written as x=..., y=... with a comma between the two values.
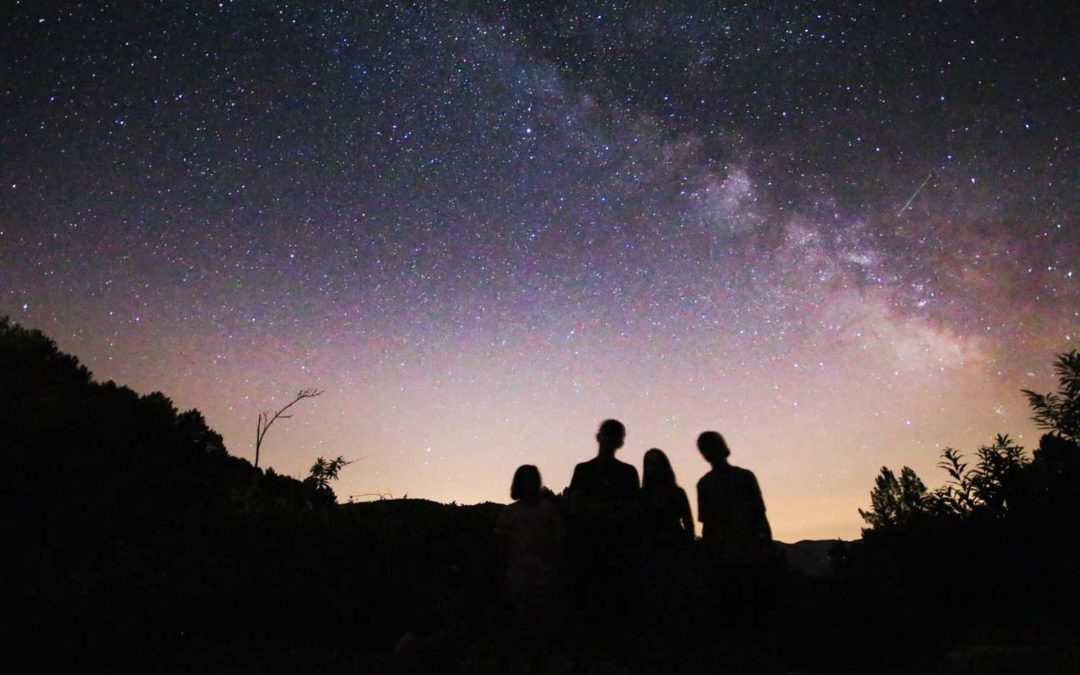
x=1004, y=524
x=323, y=472
x=1060, y=412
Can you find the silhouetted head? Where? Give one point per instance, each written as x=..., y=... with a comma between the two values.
x=526, y=483
x=656, y=470
x=713, y=447
x=610, y=437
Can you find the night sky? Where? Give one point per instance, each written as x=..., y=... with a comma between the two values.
x=842, y=234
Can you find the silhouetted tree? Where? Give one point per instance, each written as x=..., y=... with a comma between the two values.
x=266, y=419
x=895, y=502
x=998, y=477
x=1057, y=461
x=323, y=471
x=989, y=488
x=1003, y=517
x=192, y=427
x=1060, y=412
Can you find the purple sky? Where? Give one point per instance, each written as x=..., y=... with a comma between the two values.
x=842, y=235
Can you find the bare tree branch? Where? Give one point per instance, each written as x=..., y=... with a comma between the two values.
x=266, y=419
x=380, y=495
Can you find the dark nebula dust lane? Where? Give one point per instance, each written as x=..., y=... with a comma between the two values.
x=843, y=234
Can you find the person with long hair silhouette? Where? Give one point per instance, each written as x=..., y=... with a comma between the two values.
x=666, y=577
x=665, y=510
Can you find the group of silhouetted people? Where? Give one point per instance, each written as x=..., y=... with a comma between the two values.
x=618, y=550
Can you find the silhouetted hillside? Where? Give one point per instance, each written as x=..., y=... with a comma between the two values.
x=136, y=542
x=136, y=535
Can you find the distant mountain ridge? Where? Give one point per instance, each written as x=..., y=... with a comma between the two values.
x=812, y=557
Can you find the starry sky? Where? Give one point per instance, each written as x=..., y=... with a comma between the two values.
x=843, y=234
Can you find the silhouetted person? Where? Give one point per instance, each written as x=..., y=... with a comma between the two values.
x=531, y=533
x=604, y=489
x=730, y=507
x=665, y=510
x=603, y=503
x=666, y=579
x=740, y=574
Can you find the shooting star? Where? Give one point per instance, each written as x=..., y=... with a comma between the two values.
x=916, y=194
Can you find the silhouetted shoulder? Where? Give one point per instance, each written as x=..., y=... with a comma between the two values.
x=731, y=509
x=625, y=479
x=750, y=485
x=582, y=477
x=730, y=477
x=583, y=467
x=630, y=472
x=605, y=480
x=744, y=476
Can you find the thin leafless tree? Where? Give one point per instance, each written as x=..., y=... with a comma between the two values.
x=266, y=418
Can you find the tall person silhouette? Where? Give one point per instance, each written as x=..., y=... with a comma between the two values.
x=603, y=487
x=603, y=502
x=740, y=579
x=730, y=508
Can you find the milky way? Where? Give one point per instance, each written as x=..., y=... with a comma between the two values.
x=844, y=235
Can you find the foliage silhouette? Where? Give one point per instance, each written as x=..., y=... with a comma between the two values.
x=1060, y=412
x=1004, y=524
x=323, y=472
x=895, y=502
x=138, y=543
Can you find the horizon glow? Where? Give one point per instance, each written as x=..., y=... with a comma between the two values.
x=844, y=238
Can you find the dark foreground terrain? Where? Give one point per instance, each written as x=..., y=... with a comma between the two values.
x=134, y=541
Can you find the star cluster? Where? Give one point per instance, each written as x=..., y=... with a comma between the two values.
x=843, y=234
